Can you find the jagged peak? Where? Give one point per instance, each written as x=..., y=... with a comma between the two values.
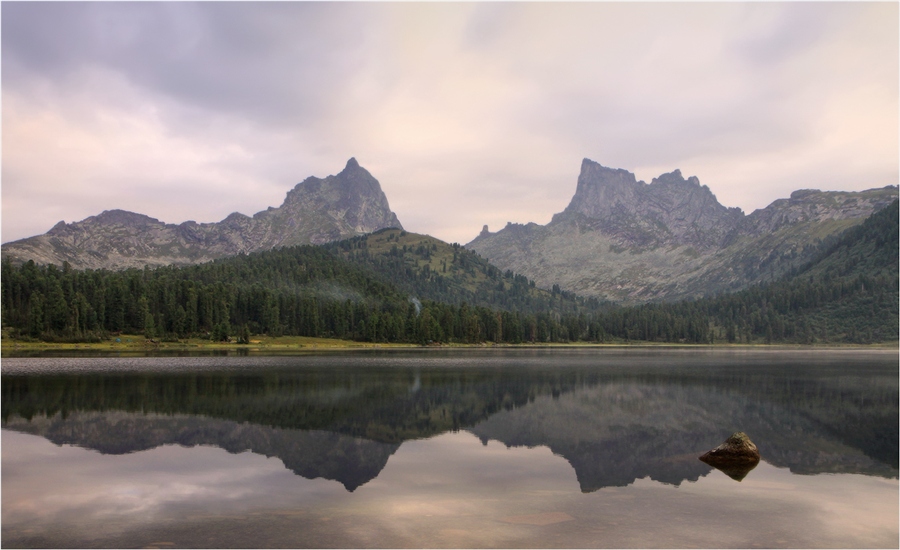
x=676, y=177
x=674, y=174
x=59, y=229
x=123, y=217
x=234, y=216
x=315, y=211
x=353, y=172
x=591, y=166
x=600, y=185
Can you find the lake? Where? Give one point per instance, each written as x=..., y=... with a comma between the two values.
x=451, y=448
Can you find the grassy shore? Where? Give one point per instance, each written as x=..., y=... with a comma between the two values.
x=138, y=344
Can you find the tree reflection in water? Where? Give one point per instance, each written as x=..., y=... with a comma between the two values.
x=615, y=418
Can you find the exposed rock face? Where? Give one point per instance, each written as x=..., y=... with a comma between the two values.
x=670, y=210
x=737, y=448
x=316, y=211
x=631, y=242
x=812, y=205
x=735, y=457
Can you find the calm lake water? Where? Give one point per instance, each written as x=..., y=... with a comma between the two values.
x=469, y=448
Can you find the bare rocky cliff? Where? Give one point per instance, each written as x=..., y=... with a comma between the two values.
x=670, y=210
x=631, y=242
x=315, y=211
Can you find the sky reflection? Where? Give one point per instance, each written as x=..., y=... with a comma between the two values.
x=507, y=449
x=447, y=491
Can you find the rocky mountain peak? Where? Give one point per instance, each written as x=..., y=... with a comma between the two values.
x=674, y=178
x=625, y=240
x=315, y=211
x=351, y=184
x=130, y=221
x=124, y=217
x=669, y=210
x=353, y=196
x=601, y=189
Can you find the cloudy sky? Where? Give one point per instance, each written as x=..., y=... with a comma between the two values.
x=468, y=114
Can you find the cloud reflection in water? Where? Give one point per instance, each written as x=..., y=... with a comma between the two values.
x=450, y=490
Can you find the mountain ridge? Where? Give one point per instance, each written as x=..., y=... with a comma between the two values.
x=618, y=240
x=611, y=198
x=315, y=211
x=626, y=241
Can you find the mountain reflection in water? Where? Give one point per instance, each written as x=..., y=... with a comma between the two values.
x=614, y=417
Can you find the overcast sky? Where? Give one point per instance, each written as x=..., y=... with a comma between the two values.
x=467, y=114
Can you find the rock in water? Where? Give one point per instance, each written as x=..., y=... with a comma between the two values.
x=735, y=457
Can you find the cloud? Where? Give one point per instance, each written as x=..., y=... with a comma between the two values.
x=466, y=113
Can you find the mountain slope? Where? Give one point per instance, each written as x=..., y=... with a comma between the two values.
x=431, y=269
x=630, y=242
x=315, y=211
x=849, y=292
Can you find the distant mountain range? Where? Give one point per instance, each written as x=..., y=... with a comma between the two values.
x=629, y=242
x=315, y=211
x=619, y=240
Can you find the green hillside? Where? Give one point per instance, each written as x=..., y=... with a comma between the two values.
x=431, y=269
x=297, y=291
x=847, y=293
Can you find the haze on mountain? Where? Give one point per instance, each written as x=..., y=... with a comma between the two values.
x=628, y=241
x=315, y=211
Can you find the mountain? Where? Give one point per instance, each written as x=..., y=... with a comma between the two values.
x=848, y=292
x=316, y=211
x=670, y=211
x=631, y=242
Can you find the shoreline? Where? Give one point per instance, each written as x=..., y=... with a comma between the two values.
x=139, y=345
